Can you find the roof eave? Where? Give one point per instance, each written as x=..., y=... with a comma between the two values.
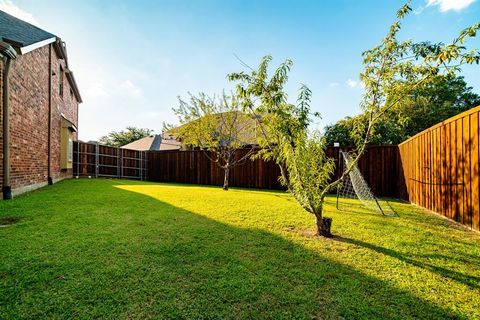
x=60, y=49
x=73, y=85
x=36, y=45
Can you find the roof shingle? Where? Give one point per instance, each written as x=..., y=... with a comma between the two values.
x=20, y=33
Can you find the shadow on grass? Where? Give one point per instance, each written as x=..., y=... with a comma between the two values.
x=354, y=206
x=129, y=255
x=470, y=281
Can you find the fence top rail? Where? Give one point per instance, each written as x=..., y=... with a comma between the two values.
x=443, y=123
x=196, y=151
x=123, y=150
x=176, y=151
x=369, y=146
x=257, y=149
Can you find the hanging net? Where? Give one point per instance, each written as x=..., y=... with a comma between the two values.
x=354, y=187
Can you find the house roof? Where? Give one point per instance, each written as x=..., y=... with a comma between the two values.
x=26, y=37
x=20, y=33
x=154, y=143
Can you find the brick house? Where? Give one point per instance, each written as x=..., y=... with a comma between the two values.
x=39, y=107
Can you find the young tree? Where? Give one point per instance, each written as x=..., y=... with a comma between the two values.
x=284, y=136
x=218, y=127
x=280, y=123
x=121, y=138
x=392, y=69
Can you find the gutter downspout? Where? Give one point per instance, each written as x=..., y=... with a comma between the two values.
x=49, y=141
x=7, y=52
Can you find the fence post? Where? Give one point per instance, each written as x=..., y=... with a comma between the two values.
x=141, y=166
x=145, y=166
x=96, y=159
x=118, y=162
x=78, y=158
x=121, y=163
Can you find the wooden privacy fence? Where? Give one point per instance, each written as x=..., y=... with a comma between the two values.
x=378, y=165
x=195, y=167
x=441, y=167
x=94, y=160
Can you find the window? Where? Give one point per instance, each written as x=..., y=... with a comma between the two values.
x=70, y=148
x=60, y=81
x=66, y=144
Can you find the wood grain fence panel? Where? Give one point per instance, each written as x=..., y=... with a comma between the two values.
x=428, y=170
x=454, y=171
x=415, y=175
x=445, y=176
x=441, y=167
x=460, y=165
x=434, y=195
x=435, y=158
x=467, y=191
x=474, y=170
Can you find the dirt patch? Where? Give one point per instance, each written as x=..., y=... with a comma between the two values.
x=6, y=221
x=308, y=233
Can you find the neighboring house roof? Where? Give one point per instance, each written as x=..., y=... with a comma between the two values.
x=154, y=143
x=26, y=37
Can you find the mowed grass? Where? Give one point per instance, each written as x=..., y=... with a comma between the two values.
x=119, y=249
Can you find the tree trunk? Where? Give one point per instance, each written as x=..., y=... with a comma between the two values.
x=226, y=177
x=324, y=225
x=286, y=179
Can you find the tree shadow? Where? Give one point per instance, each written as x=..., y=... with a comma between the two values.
x=131, y=255
x=355, y=206
x=468, y=280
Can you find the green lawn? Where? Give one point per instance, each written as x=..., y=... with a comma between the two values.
x=121, y=249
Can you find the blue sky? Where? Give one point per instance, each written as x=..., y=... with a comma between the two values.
x=132, y=59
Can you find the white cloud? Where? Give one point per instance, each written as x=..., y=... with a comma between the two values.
x=96, y=90
x=9, y=7
x=334, y=84
x=352, y=83
x=446, y=5
x=127, y=87
x=355, y=84
x=107, y=85
x=419, y=10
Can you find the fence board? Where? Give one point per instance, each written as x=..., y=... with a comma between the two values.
x=474, y=171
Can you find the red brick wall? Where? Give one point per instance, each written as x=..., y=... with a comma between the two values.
x=1, y=124
x=66, y=105
x=29, y=94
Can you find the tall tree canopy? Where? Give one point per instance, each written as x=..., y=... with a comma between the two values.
x=123, y=137
x=440, y=99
